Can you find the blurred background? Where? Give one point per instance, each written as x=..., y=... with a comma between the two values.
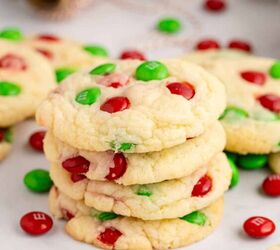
x=121, y=24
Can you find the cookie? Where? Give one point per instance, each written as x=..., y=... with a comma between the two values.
x=274, y=162
x=129, y=169
x=66, y=56
x=5, y=142
x=25, y=80
x=133, y=107
x=109, y=231
x=164, y=200
x=253, y=91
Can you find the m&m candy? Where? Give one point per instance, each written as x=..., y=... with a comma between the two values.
x=258, y=227
x=271, y=185
x=36, y=140
x=38, y=180
x=169, y=25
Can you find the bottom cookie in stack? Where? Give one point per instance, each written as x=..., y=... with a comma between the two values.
x=110, y=231
x=5, y=142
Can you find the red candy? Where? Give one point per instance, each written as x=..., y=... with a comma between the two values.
x=36, y=223
x=132, y=54
x=48, y=38
x=109, y=236
x=45, y=53
x=66, y=214
x=181, y=88
x=271, y=185
x=2, y=135
x=207, y=44
x=36, y=140
x=115, y=104
x=76, y=165
x=215, y=5
x=115, y=85
x=237, y=44
x=114, y=80
x=202, y=187
x=271, y=102
x=77, y=177
x=254, y=77
x=119, y=167
x=13, y=62
x=258, y=227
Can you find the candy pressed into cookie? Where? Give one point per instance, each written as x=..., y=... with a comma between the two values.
x=129, y=169
x=25, y=80
x=5, y=142
x=168, y=199
x=133, y=107
x=109, y=231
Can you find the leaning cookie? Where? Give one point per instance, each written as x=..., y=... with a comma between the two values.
x=130, y=169
x=133, y=107
x=164, y=200
x=66, y=56
x=274, y=162
x=25, y=80
x=109, y=231
x=5, y=142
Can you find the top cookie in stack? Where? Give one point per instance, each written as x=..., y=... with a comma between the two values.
x=133, y=107
x=137, y=143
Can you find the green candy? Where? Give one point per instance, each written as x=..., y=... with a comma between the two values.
x=231, y=156
x=122, y=146
x=96, y=50
x=38, y=180
x=9, y=89
x=8, y=136
x=274, y=71
x=252, y=161
x=234, y=113
x=11, y=34
x=62, y=73
x=169, y=25
x=195, y=217
x=144, y=191
x=104, y=216
x=152, y=70
x=103, y=69
x=235, y=173
x=88, y=96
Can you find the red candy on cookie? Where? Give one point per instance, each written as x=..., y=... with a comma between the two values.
x=109, y=236
x=254, y=77
x=13, y=62
x=238, y=44
x=45, y=53
x=202, y=187
x=182, y=88
x=271, y=102
x=207, y=44
x=76, y=165
x=48, y=38
x=36, y=223
x=133, y=54
x=259, y=227
x=36, y=140
x=119, y=168
x=115, y=104
x=77, y=177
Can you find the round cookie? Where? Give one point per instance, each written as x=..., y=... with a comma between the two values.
x=164, y=200
x=133, y=107
x=5, y=142
x=250, y=117
x=142, y=168
x=66, y=56
x=274, y=162
x=25, y=80
x=92, y=227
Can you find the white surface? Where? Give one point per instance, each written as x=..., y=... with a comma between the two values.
x=106, y=23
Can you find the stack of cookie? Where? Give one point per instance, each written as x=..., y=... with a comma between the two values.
x=251, y=119
x=136, y=154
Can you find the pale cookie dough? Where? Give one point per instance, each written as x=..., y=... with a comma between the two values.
x=144, y=168
x=152, y=118
x=133, y=234
x=274, y=162
x=257, y=129
x=25, y=80
x=62, y=53
x=5, y=142
x=164, y=200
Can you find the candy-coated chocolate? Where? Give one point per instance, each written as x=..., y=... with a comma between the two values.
x=119, y=167
x=234, y=112
x=103, y=69
x=143, y=190
x=169, y=25
x=258, y=227
x=62, y=73
x=202, y=187
x=235, y=173
x=195, y=217
x=215, y=5
x=36, y=223
x=38, y=180
x=252, y=161
x=115, y=104
x=255, y=77
x=238, y=44
x=48, y=38
x=132, y=54
x=207, y=44
x=184, y=89
x=11, y=34
x=9, y=89
x=104, y=216
x=109, y=236
x=36, y=140
x=96, y=50
x=271, y=185
x=88, y=96
x=151, y=70
x=274, y=71
x=76, y=165
x=270, y=102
